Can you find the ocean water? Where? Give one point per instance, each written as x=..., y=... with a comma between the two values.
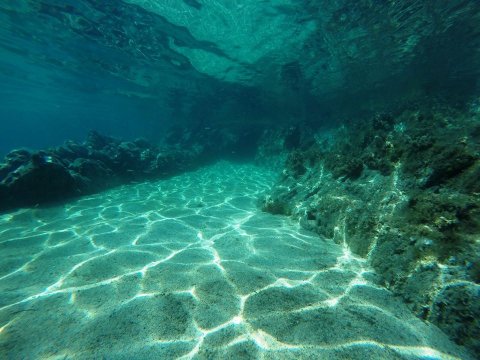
x=234, y=179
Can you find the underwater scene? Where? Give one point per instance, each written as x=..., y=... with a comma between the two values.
x=239, y=179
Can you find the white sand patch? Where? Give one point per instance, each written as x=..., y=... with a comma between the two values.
x=146, y=271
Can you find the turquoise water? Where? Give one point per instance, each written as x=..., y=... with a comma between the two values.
x=189, y=268
x=126, y=233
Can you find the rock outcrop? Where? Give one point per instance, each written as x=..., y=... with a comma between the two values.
x=402, y=191
x=30, y=178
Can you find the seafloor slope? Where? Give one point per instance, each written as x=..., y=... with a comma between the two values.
x=188, y=267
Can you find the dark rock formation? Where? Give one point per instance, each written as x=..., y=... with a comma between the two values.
x=32, y=178
x=457, y=308
x=401, y=190
x=39, y=178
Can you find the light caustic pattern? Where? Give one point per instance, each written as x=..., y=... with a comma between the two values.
x=189, y=268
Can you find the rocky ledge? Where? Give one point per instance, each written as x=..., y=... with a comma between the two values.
x=30, y=178
x=403, y=191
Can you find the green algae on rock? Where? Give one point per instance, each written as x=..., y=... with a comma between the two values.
x=400, y=190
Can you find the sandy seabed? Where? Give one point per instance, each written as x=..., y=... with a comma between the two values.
x=189, y=268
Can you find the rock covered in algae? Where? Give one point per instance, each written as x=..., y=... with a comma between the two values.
x=401, y=190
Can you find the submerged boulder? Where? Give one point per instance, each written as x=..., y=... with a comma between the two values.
x=449, y=163
x=90, y=168
x=13, y=160
x=97, y=141
x=71, y=150
x=90, y=175
x=42, y=179
x=456, y=309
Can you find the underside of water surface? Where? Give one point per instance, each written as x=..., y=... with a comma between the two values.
x=239, y=179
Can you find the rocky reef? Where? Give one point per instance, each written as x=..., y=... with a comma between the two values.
x=401, y=190
x=31, y=178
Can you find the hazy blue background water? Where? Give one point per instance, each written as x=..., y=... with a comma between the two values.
x=133, y=68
